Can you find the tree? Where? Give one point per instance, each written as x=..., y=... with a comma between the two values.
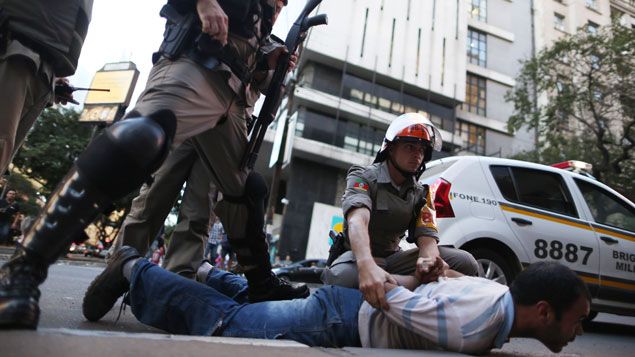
x=53, y=144
x=579, y=95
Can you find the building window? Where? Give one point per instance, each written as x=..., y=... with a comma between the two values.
x=558, y=21
x=592, y=4
x=616, y=14
x=478, y=10
x=475, y=95
x=473, y=137
x=477, y=47
x=592, y=27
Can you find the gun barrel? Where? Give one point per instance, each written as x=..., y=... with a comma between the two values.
x=92, y=89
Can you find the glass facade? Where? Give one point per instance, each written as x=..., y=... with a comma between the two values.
x=342, y=133
x=356, y=134
x=478, y=9
x=473, y=137
x=558, y=21
x=477, y=47
x=475, y=95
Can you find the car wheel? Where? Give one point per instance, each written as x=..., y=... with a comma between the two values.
x=493, y=266
x=592, y=314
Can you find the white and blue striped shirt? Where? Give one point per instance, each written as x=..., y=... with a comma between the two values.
x=466, y=314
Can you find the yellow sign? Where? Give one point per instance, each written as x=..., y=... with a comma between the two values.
x=119, y=83
x=103, y=113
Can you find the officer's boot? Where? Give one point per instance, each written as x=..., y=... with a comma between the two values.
x=252, y=252
x=115, y=163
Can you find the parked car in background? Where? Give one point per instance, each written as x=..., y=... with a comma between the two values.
x=95, y=251
x=511, y=213
x=307, y=270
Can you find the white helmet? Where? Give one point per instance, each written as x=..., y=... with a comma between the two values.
x=411, y=127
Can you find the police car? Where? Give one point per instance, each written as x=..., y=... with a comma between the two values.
x=511, y=213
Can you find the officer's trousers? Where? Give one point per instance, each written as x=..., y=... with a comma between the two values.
x=211, y=118
x=154, y=202
x=25, y=89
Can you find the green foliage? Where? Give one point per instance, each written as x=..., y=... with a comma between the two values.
x=53, y=144
x=579, y=95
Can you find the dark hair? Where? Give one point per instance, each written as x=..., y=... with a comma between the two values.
x=551, y=282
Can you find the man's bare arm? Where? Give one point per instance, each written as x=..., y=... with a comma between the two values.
x=371, y=276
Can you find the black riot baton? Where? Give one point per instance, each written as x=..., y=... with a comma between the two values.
x=296, y=35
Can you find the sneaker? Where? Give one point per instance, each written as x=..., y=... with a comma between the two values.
x=103, y=292
x=19, y=293
x=277, y=289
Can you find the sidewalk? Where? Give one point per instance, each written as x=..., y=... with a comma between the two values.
x=67, y=342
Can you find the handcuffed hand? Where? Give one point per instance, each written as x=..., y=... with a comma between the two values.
x=430, y=269
x=371, y=284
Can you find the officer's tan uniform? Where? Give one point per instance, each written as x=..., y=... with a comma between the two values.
x=212, y=107
x=392, y=209
x=27, y=84
x=39, y=40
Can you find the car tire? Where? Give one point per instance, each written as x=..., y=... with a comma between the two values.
x=592, y=314
x=493, y=265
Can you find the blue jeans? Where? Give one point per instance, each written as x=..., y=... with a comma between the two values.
x=178, y=305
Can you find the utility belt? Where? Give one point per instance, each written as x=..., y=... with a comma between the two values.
x=183, y=37
x=211, y=60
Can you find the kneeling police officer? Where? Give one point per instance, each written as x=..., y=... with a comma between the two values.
x=383, y=201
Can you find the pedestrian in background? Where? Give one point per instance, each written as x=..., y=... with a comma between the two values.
x=9, y=212
x=216, y=233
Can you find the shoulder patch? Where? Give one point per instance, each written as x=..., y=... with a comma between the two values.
x=360, y=185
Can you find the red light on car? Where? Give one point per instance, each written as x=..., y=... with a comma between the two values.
x=574, y=165
x=442, y=199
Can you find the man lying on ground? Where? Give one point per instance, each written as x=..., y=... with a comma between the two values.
x=547, y=301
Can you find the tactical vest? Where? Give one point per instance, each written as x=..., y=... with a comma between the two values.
x=54, y=28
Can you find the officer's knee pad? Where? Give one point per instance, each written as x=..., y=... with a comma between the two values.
x=125, y=155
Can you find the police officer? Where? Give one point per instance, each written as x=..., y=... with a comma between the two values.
x=383, y=201
x=211, y=97
x=39, y=40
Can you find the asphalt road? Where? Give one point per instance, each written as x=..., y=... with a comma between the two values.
x=62, y=293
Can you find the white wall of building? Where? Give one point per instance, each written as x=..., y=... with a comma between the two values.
x=421, y=60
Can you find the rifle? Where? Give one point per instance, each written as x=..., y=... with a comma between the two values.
x=64, y=90
x=267, y=114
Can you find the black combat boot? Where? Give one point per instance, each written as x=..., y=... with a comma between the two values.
x=19, y=293
x=115, y=163
x=252, y=250
x=274, y=288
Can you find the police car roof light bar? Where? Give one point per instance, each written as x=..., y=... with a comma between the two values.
x=574, y=165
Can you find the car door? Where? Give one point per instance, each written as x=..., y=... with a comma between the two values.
x=539, y=209
x=613, y=220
